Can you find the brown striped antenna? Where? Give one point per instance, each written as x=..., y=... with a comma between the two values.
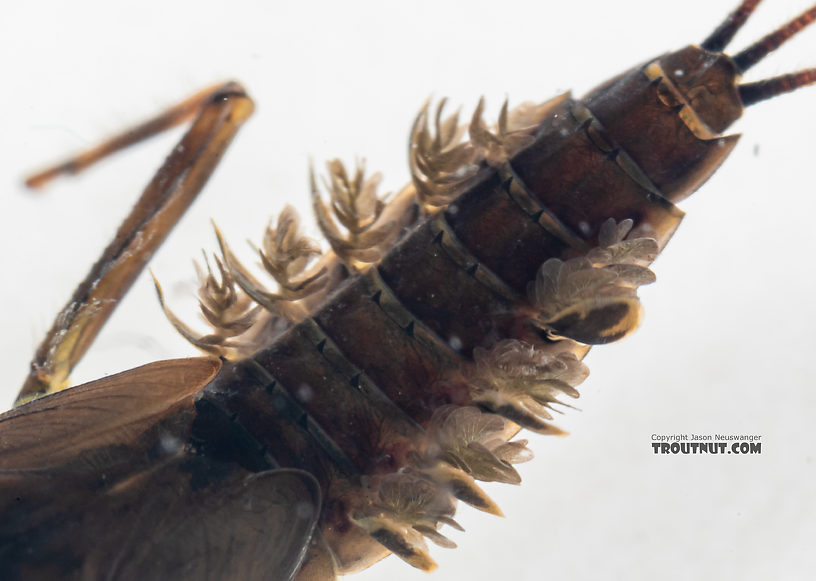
x=724, y=33
x=751, y=93
x=750, y=56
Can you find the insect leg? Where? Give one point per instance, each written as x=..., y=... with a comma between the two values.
x=220, y=112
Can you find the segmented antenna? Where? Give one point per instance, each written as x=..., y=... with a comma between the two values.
x=750, y=56
x=752, y=93
x=725, y=32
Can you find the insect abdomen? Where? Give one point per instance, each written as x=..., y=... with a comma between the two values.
x=360, y=381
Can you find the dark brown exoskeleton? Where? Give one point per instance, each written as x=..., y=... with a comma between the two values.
x=341, y=417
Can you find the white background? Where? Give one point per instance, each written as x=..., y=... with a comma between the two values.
x=728, y=340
